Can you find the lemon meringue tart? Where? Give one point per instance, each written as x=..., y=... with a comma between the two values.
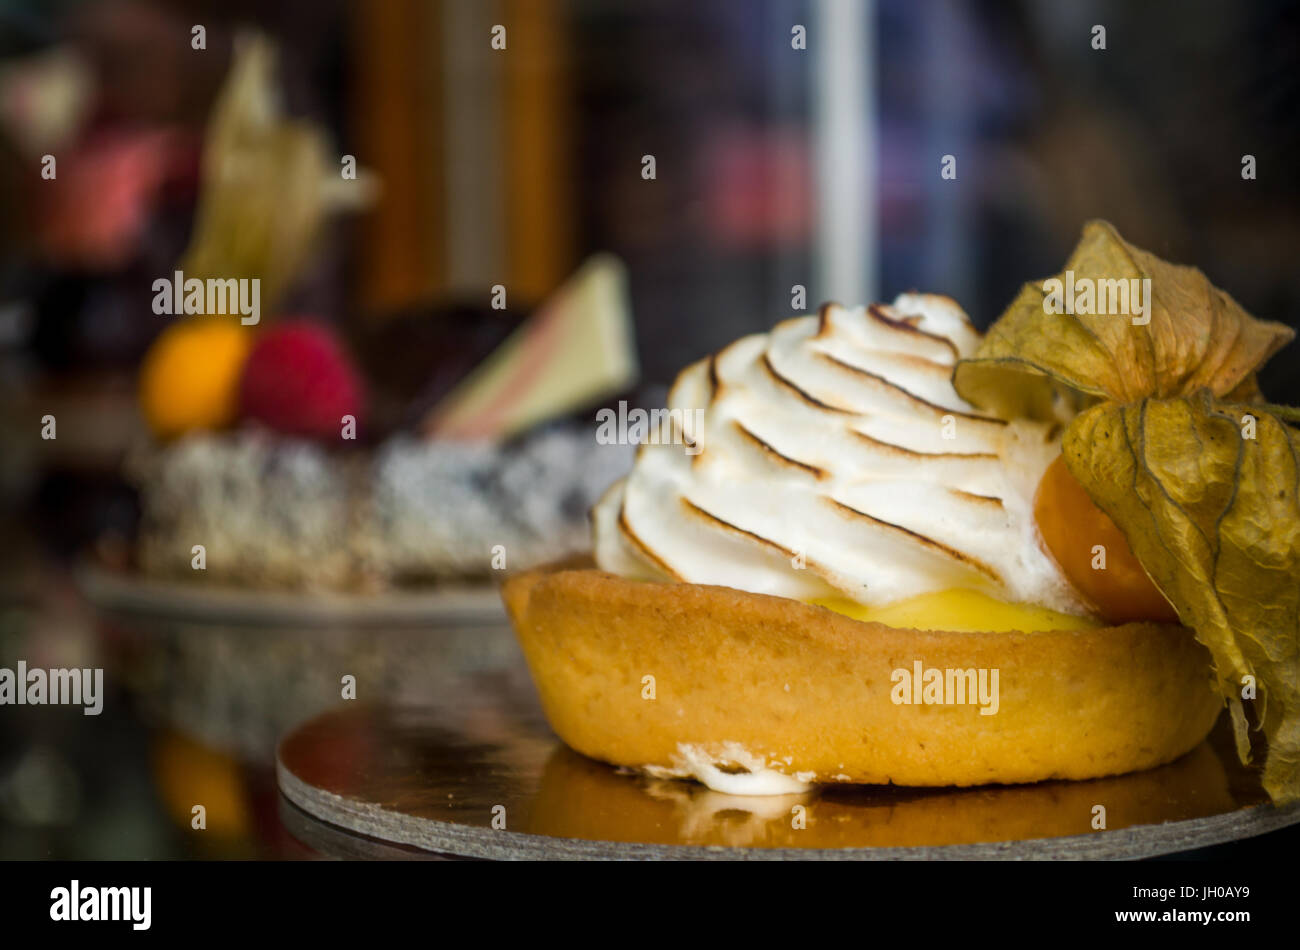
x=841, y=571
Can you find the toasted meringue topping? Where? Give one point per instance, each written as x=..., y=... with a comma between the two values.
x=835, y=457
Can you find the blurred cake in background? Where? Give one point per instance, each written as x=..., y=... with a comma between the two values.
x=262, y=457
x=286, y=512
x=301, y=458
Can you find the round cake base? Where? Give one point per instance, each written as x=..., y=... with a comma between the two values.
x=485, y=778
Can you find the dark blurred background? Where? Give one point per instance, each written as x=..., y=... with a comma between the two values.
x=513, y=168
x=775, y=166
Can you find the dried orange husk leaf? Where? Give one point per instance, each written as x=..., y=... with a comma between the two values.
x=1188, y=334
x=1208, y=495
x=269, y=182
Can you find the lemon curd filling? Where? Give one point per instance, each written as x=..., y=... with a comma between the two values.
x=958, y=610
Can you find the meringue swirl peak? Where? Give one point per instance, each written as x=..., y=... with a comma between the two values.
x=836, y=459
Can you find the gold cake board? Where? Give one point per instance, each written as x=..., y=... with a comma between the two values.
x=483, y=777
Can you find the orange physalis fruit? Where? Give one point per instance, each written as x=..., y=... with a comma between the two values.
x=1073, y=527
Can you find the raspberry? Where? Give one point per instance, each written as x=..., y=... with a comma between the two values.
x=298, y=380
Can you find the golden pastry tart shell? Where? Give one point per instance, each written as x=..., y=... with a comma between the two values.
x=809, y=690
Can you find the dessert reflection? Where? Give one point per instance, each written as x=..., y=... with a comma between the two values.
x=581, y=798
